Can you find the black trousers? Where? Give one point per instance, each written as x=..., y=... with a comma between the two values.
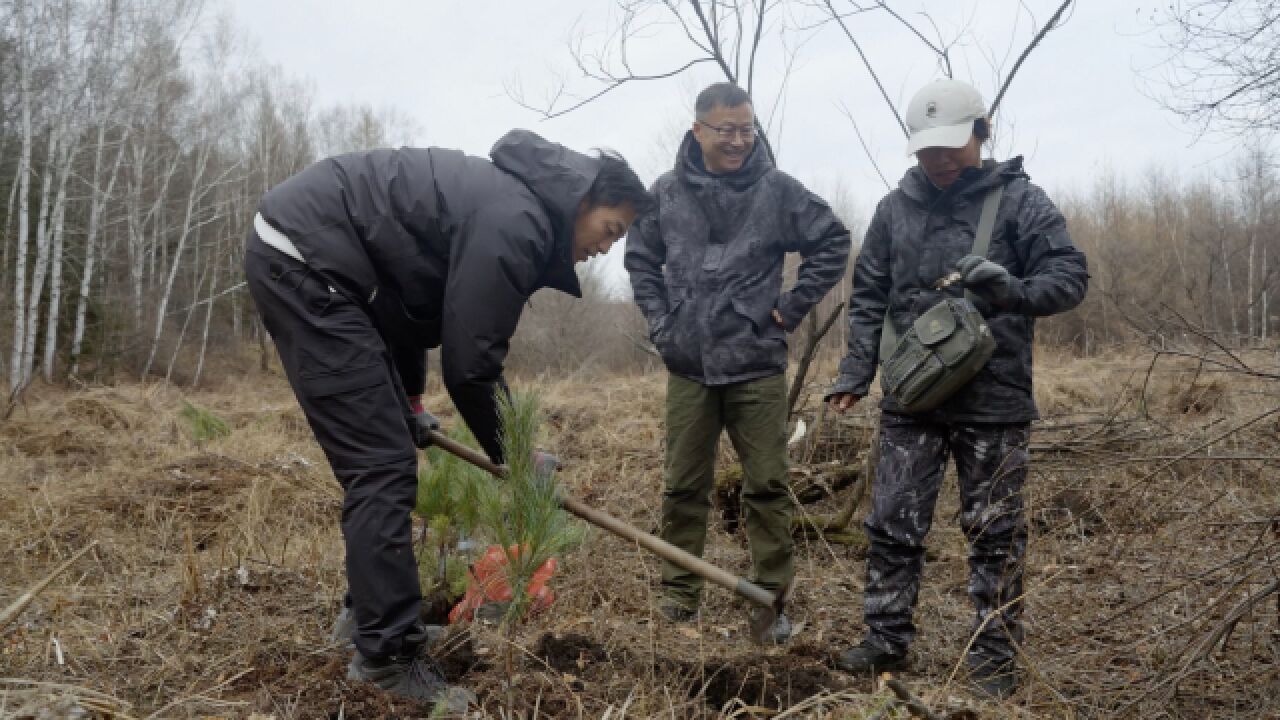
x=344, y=378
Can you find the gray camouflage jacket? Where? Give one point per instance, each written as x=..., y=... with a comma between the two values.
x=706, y=265
x=917, y=235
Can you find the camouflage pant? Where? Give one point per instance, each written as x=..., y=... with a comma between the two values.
x=991, y=461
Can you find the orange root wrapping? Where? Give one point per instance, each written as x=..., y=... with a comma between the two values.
x=488, y=582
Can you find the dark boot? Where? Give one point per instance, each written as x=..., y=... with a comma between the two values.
x=868, y=658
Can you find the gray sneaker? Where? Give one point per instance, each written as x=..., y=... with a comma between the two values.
x=779, y=632
x=412, y=678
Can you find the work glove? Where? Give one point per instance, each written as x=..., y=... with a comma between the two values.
x=990, y=281
x=421, y=422
x=545, y=465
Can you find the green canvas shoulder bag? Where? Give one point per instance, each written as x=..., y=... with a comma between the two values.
x=946, y=346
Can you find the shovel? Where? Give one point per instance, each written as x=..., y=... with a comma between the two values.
x=761, y=622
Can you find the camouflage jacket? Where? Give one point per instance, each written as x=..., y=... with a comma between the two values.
x=917, y=235
x=706, y=265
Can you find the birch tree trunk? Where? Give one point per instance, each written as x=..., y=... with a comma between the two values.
x=16, y=379
x=208, y=318
x=1266, y=293
x=55, y=271
x=97, y=205
x=1226, y=272
x=40, y=269
x=8, y=224
x=194, y=195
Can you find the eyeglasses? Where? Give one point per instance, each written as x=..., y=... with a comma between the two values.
x=729, y=132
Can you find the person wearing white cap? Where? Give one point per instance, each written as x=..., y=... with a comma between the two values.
x=923, y=232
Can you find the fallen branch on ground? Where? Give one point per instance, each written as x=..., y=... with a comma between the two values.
x=17, y=606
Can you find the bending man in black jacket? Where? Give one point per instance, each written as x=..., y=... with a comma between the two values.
x=415, y=248
x=921, y=232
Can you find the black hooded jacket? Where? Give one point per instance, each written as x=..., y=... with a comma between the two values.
x=443, y=249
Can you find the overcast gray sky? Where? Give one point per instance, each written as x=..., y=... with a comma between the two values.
x=1077, y=108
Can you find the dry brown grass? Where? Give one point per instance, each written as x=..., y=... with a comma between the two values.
x=219, y=566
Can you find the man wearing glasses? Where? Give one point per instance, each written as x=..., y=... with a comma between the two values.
x=706, y=269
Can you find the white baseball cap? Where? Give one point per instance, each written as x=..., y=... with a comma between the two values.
x=942, y=113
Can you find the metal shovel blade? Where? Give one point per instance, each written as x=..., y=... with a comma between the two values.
x=765, y=616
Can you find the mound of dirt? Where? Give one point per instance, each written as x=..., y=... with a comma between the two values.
x=772, y=681
x=572, y=653
x=775, y=682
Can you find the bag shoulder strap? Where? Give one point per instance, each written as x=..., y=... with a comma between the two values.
x=986, y=223
x=981, y=246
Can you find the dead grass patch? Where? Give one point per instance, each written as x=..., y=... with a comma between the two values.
x=219, y=566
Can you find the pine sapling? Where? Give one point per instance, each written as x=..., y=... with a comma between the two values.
x=522, y=514
x=204, y=425
x=448, y=489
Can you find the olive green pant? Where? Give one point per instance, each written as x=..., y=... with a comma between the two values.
x=755, y=415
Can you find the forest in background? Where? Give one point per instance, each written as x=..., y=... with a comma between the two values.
x=137, y=136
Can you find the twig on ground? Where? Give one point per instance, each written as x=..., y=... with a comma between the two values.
x=17, y=606
x=914, y=705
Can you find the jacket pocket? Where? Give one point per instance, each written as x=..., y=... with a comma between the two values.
x=675, y=335
x=764, y=344
x=321, y=383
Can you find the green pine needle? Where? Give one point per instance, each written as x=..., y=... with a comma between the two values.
x=204, y=425
x=523, y=514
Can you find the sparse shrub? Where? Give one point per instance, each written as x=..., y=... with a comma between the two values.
x=204, y=425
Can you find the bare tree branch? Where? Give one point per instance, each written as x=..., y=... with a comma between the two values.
x=867, y=63
x=549, y=114
x=865, y=149
x=1053, y=22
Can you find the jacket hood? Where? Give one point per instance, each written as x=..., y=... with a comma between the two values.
x=691, y=168
x=972, y=181
x=559, y=178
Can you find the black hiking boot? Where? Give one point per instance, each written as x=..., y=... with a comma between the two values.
x=995, y=680
x=868, y=658
x=410, y=677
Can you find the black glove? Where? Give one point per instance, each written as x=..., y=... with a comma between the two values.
x=421, y=424
x=990, y=281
